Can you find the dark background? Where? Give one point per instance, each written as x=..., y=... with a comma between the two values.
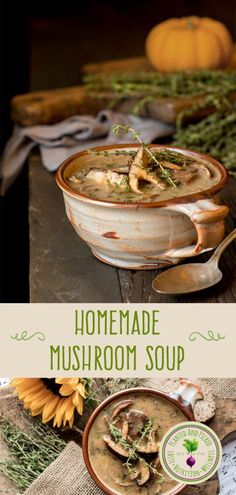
x=43, y=46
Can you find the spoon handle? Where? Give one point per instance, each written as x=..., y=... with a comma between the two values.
x=219, y=250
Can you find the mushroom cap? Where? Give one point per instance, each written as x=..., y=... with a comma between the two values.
x=115, y=448
x=120, y=407
x=136, y=420
x=144, y=473
x=151, y=445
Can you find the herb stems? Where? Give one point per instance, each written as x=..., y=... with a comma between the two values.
x=165, y=174
x=31, y=453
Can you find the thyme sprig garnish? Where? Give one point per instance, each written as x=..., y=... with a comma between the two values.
x=161, y=155
x=131, y=448
x=165, y=173
x=144, y=433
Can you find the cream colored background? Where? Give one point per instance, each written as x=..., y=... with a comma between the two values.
x=202, y=358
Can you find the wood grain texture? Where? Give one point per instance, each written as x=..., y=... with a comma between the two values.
x=208, y=488
x=134, y=64
x=224, y=421
x=62, y=268
x=51, y=106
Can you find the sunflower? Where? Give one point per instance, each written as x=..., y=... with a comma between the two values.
x=55, y=399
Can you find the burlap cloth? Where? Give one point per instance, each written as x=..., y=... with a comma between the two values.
x=222, y=387
x=65, y=476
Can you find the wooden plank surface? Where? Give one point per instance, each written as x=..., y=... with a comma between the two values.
x=62, y=268
x=136, y=286
x=54, y=105
x=130, y=64
x=224, y=421
x=49, y=107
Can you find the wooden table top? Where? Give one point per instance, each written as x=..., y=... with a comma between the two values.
x=63, y=269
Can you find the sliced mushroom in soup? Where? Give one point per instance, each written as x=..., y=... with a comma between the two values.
x=124, y=442
x=135, y=176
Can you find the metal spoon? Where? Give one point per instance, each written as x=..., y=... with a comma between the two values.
x=193, y=277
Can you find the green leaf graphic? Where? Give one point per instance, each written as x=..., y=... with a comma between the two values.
x=190, y=445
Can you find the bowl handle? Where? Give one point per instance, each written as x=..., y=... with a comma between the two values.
x=207, y=218
x=187, y=394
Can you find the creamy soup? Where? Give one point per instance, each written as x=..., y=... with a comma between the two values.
x=124, y=441
x=136, y=176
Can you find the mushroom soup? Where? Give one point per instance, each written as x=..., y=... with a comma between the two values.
x=124, y=441
x=140, y=175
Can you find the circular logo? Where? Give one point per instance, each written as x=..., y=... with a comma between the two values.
x=190, y=453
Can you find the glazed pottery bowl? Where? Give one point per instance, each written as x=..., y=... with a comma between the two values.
x=145, y=235
x=184, y=399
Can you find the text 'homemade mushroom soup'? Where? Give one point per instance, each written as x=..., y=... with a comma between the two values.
x=124, y=441
x=137, y=175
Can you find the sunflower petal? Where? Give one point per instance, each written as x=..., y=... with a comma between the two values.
x=81, y=389
x=69, y=410
x=80, y=405
x=66, y=390
x=71, y=421
x=49, y=408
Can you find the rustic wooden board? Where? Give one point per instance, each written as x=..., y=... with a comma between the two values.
x=134, y=64
x=208, y=488
x=48, y=107
x=224, y=421
x=62, y=268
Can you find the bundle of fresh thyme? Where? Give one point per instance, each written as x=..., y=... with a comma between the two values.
x=146, y=86
x=30, y=453
x=214, y=135
x=157, y=84
x=33, y=451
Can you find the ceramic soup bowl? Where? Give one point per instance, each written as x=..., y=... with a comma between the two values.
x=105, y=465
x=150, y=234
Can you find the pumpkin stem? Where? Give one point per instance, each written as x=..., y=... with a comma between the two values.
x=190, y=23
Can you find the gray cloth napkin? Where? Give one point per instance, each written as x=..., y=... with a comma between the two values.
x=57, y=142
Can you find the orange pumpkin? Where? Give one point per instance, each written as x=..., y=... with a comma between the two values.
x=232, y=64
x=189, y=43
